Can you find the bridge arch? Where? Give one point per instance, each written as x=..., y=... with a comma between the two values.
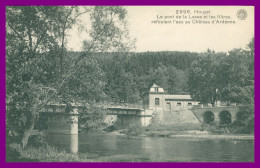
x=208, y=117
x=225, y=117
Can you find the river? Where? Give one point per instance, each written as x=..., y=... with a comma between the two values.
x=160, y=149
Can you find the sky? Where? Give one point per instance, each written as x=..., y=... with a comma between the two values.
x=184, y=37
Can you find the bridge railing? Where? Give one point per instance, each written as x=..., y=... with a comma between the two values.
x=217, y=105
x=123, y=105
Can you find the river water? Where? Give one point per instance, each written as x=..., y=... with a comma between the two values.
x=161, y=149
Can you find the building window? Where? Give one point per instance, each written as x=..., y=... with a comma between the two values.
x=157, y=101
x=179, y=104
x=156, y=89
x=189, y=104
x=168, y=105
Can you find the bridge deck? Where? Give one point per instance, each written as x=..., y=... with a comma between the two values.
x=126, y=111
x=124, y=108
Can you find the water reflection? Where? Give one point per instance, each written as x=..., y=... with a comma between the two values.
x=170, y=149
x=162, y=149
x=66, y=141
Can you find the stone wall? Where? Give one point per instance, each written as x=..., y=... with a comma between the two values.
x=195, y=115
x=174, y=117
x=199, y=112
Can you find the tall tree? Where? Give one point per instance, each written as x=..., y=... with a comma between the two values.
x=237, y=76
x=226, y=77
x=66, y=18
x=36, y=34
x=109, y=30
x=203, y=78
x=29, y=37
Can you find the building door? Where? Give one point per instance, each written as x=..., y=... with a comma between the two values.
x=168, y=106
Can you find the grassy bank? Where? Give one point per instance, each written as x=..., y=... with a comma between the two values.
x=51, y=154
x=157, y=130
x=36, y=154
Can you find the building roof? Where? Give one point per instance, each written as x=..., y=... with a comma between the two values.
x=177, y=97
x=154, y=85
x=168, y=96
x=156, y=89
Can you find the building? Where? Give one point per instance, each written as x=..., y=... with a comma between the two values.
x=159, y=100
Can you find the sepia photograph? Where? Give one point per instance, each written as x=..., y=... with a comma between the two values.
x=130, y=84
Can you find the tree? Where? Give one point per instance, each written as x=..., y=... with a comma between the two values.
x=86, y=84
x=29, y=37
x=120, y=85
x=35, y=36
x=251, y=47
x=159, y=76
x=204, y=84
x=109, y=30
x=177, y=81
x=238, y=79
x=226, y=77
x=245, y=90
x=173, y=80
x=66, y=17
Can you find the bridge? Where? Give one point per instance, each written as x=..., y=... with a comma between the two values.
x=207, y=115
x=128, y=115
x=219, y=115
x=62, y=121
x=60, y=116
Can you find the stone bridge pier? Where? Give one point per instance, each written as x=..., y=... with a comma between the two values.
x=218, y=115
x=62, y=126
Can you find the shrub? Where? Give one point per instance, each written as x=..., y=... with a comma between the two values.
x=38, y=140
x=174, y=127
x=42, y=153
x=92, y=117
x=134, y=129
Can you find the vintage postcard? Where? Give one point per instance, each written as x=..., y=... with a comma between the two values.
x=130, y=84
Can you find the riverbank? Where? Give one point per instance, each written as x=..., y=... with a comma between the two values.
x=230, y=136
x=15, y=153
x=195, y=134
x=185, y=130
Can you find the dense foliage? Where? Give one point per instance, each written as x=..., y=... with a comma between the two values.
x=129, y=76
x=39, y=70
x=225, y=77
